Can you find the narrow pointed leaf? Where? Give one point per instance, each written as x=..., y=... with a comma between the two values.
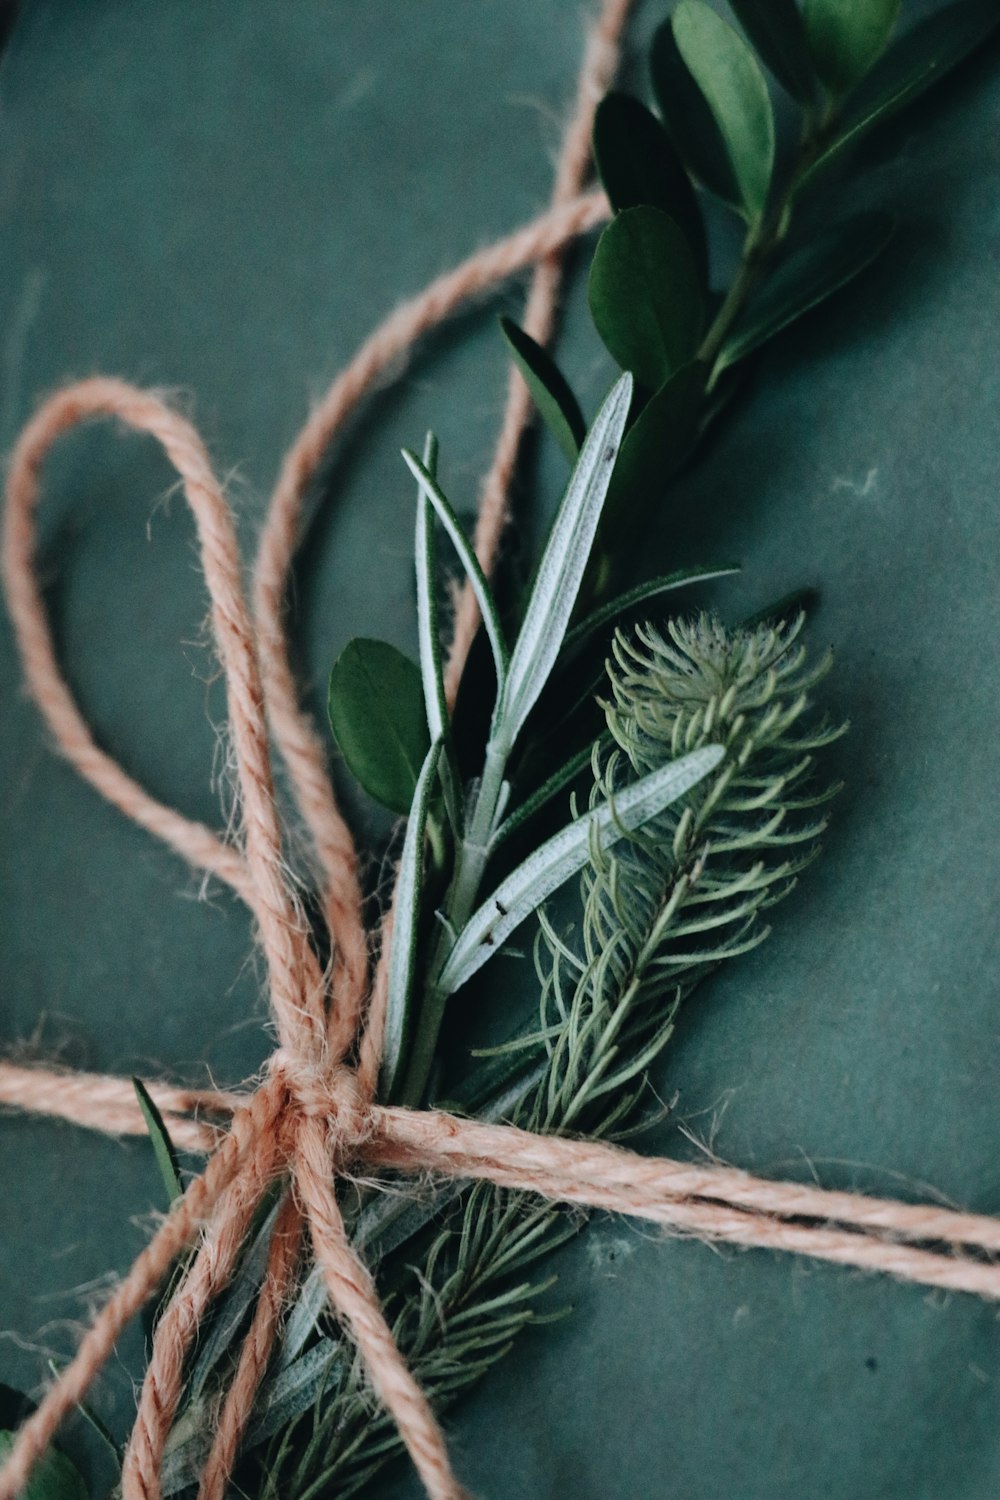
x=926, y=53
x=469, y=561
x=775, y=28
x=806, y=279
x=378, y=719
x=550, y=390
x=406, y=925
x=728, y=75
x=846, y=38
x=556, y=783
x=645, y=295
x=435, y=706
x=294, y=1389
x=233, y=1307
x=564, y=562
x=651, y=589
x=639, y=167
x=163, y=1147
x=563, y=855
x=689, y=122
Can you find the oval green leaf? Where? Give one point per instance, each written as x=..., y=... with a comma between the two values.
x=53, y=1478
x=775, y=28
x=729, y=77
x=806, y=279
x=912, y=65
x=550, y=390
x=377, y=717
x=645, y=295
x=639, y=167
x=688, y=120
x=847, y=37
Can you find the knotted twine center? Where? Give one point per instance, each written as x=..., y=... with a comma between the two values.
x=332, y=1094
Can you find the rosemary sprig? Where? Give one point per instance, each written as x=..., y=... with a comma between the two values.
x=661, y=909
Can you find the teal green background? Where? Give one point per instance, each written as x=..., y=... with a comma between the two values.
x=222, y=199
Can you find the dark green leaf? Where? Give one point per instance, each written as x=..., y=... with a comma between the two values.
x=163, y=1146
x=728, y=75
x=912, y=65
x=645, y=294
x=806, y=279
x=689, y=122
x=549, y=389
x=377, y=717
x=54, y=1476
x=654, y=447
x=775, y=28
x=639, y=167
x=846, y=38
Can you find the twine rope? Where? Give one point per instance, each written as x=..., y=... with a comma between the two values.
x=314, y=1114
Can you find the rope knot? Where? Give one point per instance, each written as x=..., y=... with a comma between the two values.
x=333, y=1095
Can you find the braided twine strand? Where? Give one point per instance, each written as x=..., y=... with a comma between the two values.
x=315, y=1115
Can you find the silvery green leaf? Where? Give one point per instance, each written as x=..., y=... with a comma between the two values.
x=406, y=924
x=304, y=1316
x=233, y=1306
x=564, y=562
x=294, y=1390
x=563, y=855
x=431, y=673
x=427, y=623
x=484, y=597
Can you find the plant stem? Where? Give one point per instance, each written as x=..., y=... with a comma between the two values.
x=471, y=856
x=763, y=239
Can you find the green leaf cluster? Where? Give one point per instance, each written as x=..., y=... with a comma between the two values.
x=714, y=133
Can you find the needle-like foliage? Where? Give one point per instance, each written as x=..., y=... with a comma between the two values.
x=659, y=910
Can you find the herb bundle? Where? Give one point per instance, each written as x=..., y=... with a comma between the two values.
x=694, y=756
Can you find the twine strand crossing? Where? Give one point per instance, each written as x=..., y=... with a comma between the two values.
x=314, y=1115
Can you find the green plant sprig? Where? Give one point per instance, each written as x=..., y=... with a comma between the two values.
x=660, y=909
x=715, y=134
x=700, y=817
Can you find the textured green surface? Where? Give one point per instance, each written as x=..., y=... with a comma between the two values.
x=223, y=199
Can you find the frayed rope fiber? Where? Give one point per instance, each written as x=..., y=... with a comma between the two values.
x=315, y=1113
